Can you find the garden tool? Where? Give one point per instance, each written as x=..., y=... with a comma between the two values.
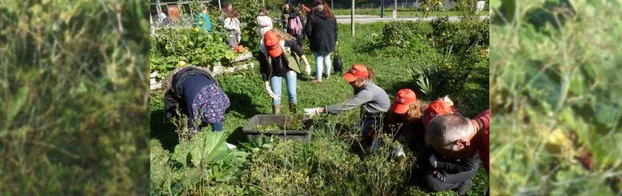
x=276, y=109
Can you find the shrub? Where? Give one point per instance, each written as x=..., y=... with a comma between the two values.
x=406, y=34
x=74, y=110
x=249, y=10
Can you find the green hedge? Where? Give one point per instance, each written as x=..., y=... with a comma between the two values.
x=75, y=97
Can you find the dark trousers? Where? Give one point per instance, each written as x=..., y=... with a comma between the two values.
x=300, y=39
x=432, y=183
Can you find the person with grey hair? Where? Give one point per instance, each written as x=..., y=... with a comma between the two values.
x=454, y=136
x=446, y=172
x=193, y=92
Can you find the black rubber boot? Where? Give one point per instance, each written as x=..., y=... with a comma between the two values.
x=292, y=108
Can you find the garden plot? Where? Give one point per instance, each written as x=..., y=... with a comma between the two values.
x=326, y=164
x=287, y=127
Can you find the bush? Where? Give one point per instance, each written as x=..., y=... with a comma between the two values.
x=74, y=110
x=552, y=88
x=406, y=34
x=249, y=10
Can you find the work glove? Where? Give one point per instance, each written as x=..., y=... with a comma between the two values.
x=398, y=151
x=274, y=96
x=433, y=161
x=310, y=112
x=447, y=100
x=308, y=69
x=438, y=175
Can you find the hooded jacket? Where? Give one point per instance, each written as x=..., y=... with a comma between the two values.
x=321, y=29
x=173, y=97
x=265, y=24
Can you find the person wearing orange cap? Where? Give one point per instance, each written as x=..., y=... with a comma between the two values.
x=404, y=118
x=278, y=59
x=373, y=100
x=439, y=107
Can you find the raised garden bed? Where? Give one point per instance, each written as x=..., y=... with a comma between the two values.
x=287, y=127
x=156, y=83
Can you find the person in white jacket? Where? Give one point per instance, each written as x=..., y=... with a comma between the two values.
x=232, y=24
x=264, y=22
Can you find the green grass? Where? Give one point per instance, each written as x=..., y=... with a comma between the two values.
x=248, y=98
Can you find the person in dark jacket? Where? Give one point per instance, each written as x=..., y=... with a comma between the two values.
x=372, y=99
x=321, y=29
x=279, y=58
x=193, y=92
x=293, y=23
x=404, y=120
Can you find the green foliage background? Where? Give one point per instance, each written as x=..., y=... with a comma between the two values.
x=550, y=75
x=74, y=85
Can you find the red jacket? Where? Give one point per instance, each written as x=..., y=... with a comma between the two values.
x=484, y=149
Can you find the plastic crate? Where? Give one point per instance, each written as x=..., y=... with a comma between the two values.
x=266, y=120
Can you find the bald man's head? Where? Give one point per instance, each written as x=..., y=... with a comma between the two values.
x=450, y=135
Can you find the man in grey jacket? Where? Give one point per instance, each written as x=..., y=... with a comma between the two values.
x=373, y=100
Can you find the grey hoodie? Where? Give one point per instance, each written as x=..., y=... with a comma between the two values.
x=370, y=97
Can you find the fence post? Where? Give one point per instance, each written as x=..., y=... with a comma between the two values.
x=352, y=17
x=381, y=8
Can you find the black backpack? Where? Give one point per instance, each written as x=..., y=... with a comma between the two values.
x=337, y=63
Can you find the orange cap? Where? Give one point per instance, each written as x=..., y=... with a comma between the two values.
x=403, y=100
x=357, y=71
x=272, y=42
x=436, y=108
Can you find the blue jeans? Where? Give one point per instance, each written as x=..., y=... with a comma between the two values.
x=290, y=81
x=322, y=63
x=368, y=126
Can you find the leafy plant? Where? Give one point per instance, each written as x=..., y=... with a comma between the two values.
x=194, y=46
x=249, y=10
x=208, y=151
x=424, y=84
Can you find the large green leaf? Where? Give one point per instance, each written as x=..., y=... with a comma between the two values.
x=15, y=105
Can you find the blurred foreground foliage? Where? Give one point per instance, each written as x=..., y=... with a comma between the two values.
x=75, y=97
x=555, y=78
